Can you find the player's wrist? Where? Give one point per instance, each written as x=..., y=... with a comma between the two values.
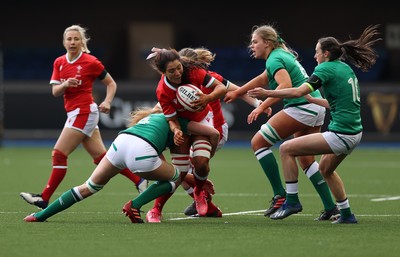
x=257, y=103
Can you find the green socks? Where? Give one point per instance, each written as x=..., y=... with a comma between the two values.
x=320, y=186
x=152, y=192
x=65, y=201
x=270, y=167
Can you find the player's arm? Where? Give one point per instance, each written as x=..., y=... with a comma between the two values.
x=320, y=101
x=259, y=81
x=175, y=127
x=250, y=100
x=111, y=85
x=293, y=92
x=219, y=90
x=59, y=89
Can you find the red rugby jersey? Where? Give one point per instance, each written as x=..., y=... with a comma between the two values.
x=87, y=69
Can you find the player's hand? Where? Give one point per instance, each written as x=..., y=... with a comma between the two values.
x=254, y=115
x=105, y=107
x=178, y=137
x=202, y=102
x=230, y=96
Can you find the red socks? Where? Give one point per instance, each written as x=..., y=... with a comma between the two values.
x=57, y=175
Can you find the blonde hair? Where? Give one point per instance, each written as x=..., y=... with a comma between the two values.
x=82, y=31
x=141, y=112
x=200, y=55
x=268, y=33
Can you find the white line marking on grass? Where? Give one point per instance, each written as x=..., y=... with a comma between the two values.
x=392, y=198
x=254, y=213
x=259, y=213
x=225, y=214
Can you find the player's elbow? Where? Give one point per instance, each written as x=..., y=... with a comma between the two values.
x=299, y=93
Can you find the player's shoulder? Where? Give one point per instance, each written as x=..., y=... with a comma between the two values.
x=61, y=59
x=89, y=57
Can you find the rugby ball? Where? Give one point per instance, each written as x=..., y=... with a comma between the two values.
x=186, y=94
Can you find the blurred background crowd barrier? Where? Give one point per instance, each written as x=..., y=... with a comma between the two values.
x=122, y=36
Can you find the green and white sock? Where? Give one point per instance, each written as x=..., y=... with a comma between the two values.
x=320, y=186
x=344, y=207
x=292, y=192
x=270, y=167
x=66, y=200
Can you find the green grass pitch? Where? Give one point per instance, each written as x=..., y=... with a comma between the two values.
x=96, y=226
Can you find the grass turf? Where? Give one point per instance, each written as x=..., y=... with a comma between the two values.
x=96, y=226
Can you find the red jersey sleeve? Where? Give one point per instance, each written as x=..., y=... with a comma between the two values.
x=200, y=77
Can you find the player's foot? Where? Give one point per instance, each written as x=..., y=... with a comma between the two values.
x=346, y=220
x=132, y=213
x=191, y=209
x=153, y=216
x=201, y=202
x=31, y=218
x=286, y=210
x=214, y=213
x=333, y=214
x=276, y=203
x=34, y=199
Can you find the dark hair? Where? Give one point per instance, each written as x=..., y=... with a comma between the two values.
x=162, y=58
x=358, y=52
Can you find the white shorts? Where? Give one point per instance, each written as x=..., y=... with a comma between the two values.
x=341, y=143
x=129, y=151
x=309, y=114
x=208, y=119
x=86, y=123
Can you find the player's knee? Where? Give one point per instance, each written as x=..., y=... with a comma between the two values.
x=59, y=158
x=325, y=170
x=202, y=148
x=98, y=159
x=201, y=156
x=255, y=145
x=284, y=148
x=269, y=134
x=180, y=161
x=175, y=180
x=93, y=187
x=201, y=165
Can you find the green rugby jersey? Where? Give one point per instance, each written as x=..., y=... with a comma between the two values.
x=155, y=130
x=342, y=91
x=282, y=59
